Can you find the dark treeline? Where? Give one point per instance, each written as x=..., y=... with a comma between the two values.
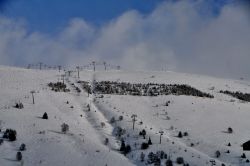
x=238, y=95
x=150, y=89
x=58, y=87
x=85, y=85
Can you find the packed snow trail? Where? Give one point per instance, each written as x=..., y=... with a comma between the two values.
x=98, y=121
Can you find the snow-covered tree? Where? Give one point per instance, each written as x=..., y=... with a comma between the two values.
x=64, y=128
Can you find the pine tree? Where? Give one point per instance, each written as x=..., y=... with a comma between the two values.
x=243, y=156
x=169, y=162
x=122, y=148
x=143, y=133
x=142, y=156
x=19, y=156
x=180, y=134
x=64, y=128
x=149, y=141
x=217, y=154
x=127, y=149
x=22, y=147
x=45, y=115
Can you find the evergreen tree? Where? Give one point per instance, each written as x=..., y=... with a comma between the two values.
x=45, y=116
x=149, y=141
x=122, y=148
x=142, y=156
x=180, y=134
x=127, y=149
x=169, y=162
x=22, y=147
x=143, y=133
x=19, y=156
x=243, y=156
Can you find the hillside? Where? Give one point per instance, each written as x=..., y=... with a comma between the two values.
x=98, y=121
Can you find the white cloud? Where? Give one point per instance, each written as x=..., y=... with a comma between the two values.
x=174, y=35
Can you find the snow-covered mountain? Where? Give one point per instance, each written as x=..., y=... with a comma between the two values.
x=99, y=121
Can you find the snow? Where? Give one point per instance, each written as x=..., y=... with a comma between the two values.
x=205, y=119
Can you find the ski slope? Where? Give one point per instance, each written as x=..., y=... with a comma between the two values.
x=205, y=119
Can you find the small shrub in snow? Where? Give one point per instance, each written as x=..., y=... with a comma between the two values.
x=144, y=145
x=88, y=107
x=112, y=120
x=106, y=141
x=143, y=133
x=22, y=147
x=120, y=118
x=229, y=144
x=217, y=154
x=247, y=161
x=1, y=141
x=153, y=158
x=102, y=124
x=127, y=149
x=179, y=160
x=64, y=128
x=168, y=118
x=42, y=132
x=162, y=154
x=157, y=162
x=118, y=131
x=19, y=105
x=142, y=156
x=185, y=134
x=243, y=156
x=223, y=164
x=169, y=162
x=230, y=130
x=45, y=115
x=19, y=156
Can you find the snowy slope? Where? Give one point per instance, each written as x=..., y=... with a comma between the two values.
x=83, y=145
x=204, y=119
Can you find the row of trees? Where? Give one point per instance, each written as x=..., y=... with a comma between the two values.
x=150, y=89
x=58, y=87
x=238, y=95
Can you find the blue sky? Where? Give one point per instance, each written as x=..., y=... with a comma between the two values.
x=52, y=15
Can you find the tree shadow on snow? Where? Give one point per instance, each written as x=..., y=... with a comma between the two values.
x=39, y=117
x=13, y=160
x=59, y=132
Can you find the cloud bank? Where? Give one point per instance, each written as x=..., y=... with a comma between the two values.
x=179, y=36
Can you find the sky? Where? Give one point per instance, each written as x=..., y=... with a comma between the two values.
x=196, y=36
